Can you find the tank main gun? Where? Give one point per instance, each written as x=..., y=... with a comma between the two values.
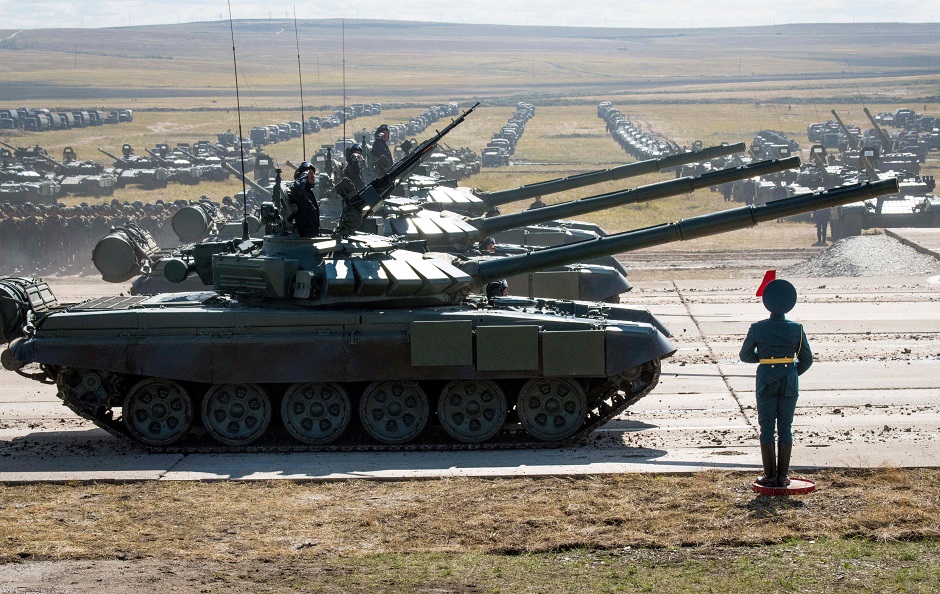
x=501, y=197
x=682, y=230
x=886, y=142
x=854, y=143
x=664, y=189
x=118, y=161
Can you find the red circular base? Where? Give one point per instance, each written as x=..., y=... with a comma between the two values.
x=798, y=486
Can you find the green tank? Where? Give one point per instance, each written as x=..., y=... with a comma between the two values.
x=348, y=342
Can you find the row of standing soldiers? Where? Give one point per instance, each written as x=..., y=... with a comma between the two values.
x=57, y=239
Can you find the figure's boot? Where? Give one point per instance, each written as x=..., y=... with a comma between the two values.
x=770, y=466
x=783, y=464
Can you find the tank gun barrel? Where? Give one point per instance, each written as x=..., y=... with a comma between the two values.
x=853, y=141
x=159, y=159
x=250, y=182
x=581, y=180
x=885, y=140
x=116, y=159
x=674, y=187
x=690, y=228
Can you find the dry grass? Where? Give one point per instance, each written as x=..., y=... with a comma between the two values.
x=281, y=520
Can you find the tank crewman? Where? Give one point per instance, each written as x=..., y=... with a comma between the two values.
x=381, y=154
x=780, y=348
x=821, y=218
x=354, y=167
x=488, y=246
x=300, y=194
x=493, y=212
x=498, y=288
x=537, y=203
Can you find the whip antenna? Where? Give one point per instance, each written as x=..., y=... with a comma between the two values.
x=300, y=76
x=344, y=89
x=241, y=143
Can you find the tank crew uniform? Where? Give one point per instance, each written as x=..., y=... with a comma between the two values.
x=354, y=168
x=381, y=154
x=780, y=348
x=300, y=193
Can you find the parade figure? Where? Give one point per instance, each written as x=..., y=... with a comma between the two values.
x=783, y=353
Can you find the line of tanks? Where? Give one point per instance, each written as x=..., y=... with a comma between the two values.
x=631, y=138
x=41, y=119
x=503, y=144
x=359, y=341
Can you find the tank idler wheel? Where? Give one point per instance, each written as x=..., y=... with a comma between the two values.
x=552, y=409
x=472, y=411
x=157, y=412
x=316, y=413
x=236, y=414
x=394, y=412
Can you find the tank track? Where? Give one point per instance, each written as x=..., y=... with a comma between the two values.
x=607, y=402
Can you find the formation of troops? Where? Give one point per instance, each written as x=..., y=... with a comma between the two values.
x=58, y=239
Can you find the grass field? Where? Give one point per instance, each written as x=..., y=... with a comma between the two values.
x=862, y=531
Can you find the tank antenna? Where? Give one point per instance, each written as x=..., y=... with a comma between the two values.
x=241, y=143
x=300, y=76
x=344, y=89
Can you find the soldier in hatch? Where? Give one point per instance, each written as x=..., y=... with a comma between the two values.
x=381, y=154
x=300, y=194
x=354, y=167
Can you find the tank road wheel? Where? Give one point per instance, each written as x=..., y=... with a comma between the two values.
x=316, y=413
x=157, y=412
x=236, y=414
x=472, y=411
x=552, y=409
x=394, y=412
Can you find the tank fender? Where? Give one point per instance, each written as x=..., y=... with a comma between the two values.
x=628, y=347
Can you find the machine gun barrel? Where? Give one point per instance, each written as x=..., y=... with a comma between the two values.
x=581, y=180
x=371, y=197
x=674, y=187
x=690, y=228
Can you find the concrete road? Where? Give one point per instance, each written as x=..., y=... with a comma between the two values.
x=872, y=399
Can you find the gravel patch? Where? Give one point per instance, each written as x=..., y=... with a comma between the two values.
x=866, y=255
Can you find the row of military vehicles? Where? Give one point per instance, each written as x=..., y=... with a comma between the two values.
x=41, y=119
x=503, y=144
x=631, y=137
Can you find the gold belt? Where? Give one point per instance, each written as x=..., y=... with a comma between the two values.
x=774, y=360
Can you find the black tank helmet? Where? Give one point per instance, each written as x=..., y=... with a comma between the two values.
x=303, y=168
x=355, y=148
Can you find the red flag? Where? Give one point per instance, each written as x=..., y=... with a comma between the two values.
x=768, y=276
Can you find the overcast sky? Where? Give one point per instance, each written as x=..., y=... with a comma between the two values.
x=29, y=14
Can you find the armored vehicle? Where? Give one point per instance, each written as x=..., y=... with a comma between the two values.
x=346, y=342
x=230, y=369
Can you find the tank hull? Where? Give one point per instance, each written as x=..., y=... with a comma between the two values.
x=192, y=341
